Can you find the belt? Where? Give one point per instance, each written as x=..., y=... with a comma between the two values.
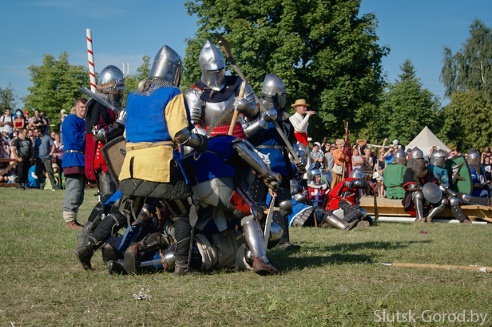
x=74, y=151
x=145, y=145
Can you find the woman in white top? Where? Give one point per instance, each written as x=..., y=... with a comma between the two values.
x=357, y=159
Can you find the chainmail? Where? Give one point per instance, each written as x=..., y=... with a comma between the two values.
x=113, y=98
x=152, y=84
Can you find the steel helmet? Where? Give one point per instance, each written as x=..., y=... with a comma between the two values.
x=167, y=66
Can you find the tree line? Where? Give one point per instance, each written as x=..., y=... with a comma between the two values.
x=326, y=52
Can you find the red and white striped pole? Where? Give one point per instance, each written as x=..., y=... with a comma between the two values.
x=90, y=56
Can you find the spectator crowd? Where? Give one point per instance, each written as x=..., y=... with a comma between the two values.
x=335, y=159
x=30, y=151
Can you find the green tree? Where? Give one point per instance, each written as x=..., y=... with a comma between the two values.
x=407, y=107
x=131, y=82
x=321, y=49
x=55, y=85
x=470, y=68
x=468, y=122
x=467, y=76
x=7, y=98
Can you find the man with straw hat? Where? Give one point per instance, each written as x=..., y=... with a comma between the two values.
x=300, y=120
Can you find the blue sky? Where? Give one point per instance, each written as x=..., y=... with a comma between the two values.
x=125, y=31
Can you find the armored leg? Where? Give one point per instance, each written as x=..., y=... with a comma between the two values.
x=133, y=255
x=350, y=212
x=248, y=154
x=97, y=214
x=433, y=213
x=182, y=233
x=280, y=217
x=105, y=184
x=418, y=202
x=101, y=233
x=456, y=209
x=254, y=239
x=87, y=230
x=108, y=253
x=116, y=268
x=337, y=223
x=85, y=252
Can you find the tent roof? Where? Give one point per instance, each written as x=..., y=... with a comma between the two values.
x=425, y=140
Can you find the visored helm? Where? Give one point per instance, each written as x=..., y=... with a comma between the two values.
x=473, y=159
x=357, y=173
x=416, y=153
x=212, y=65
x=167, y=66
x=418, y=162
x=111, y=80
x=400, y=157
x=438, y=158
x=274, y=86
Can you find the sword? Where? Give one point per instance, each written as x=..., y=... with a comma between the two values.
x=96, y=97
x=227, y=49
x=268, y=221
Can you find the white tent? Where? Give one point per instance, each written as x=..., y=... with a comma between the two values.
x=425, y=140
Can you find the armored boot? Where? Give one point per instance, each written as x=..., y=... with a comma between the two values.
x=254, y=239
x=337, y=223
x=88, y=228
x=134, y=253
x=352, y=213
x=85, y=252
x=116, y=268
x=108, y=253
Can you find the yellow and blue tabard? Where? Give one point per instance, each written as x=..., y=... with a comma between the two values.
x=151, y=125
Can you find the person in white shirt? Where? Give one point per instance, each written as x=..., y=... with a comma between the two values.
x=7, y=122
x=300, y=120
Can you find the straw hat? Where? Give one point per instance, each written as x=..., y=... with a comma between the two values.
x=340, y=141
x=300, y=102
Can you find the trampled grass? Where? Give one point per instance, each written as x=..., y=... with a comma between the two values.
x=335, y=279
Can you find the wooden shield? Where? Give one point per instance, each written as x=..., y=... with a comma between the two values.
x=459, y=166
x=114, y=154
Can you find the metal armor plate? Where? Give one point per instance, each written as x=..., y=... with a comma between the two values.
x=213, y=110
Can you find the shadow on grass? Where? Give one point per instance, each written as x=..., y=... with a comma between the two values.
x=340, y=254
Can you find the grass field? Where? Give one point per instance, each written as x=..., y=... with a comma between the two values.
x=335, y=279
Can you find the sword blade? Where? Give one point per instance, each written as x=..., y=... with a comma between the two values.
x=268, y=222
x=96, y=97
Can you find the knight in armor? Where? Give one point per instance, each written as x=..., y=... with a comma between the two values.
x=480, y=186
x=213, y=99
x=267, y=140
x=228, y=220
x=103, y=124
x=342, y=209
x=437, y=163
x=393, y=175
x=414, y=180
x=317, y=188
x=158, y=100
